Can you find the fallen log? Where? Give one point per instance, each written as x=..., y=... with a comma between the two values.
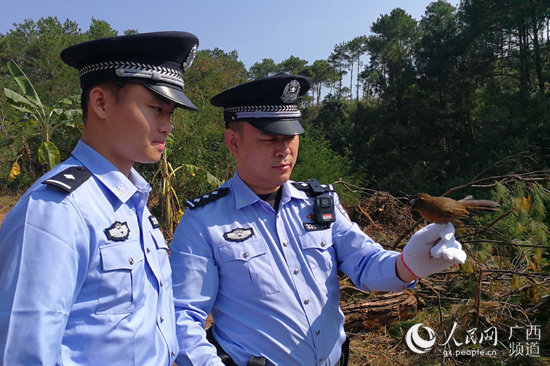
x=378, y=310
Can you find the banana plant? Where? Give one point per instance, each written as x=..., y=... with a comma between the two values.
x=35, y=113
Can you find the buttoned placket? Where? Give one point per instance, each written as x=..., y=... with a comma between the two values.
x=151, y=255
x=289, y=250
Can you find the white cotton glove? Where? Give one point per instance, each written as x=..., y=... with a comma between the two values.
x=424, y=255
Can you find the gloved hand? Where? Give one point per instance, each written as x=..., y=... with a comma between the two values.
x=424, y=255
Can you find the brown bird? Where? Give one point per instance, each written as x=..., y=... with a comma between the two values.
x=444, y=209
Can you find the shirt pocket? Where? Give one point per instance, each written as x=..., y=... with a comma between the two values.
x=122, y=278
x=246, y=269
x=320, y=255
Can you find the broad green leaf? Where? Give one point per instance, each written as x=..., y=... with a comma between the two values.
x=56, y=111
x=71, y=101
x=70, y=114
x=17, y=99
x=48, y=153
x=23, y=83
x=22, y=109
x=201, y=174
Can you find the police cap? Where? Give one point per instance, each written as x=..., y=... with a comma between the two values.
x=269, y=104
x=157, y=60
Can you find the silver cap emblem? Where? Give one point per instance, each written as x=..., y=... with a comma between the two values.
x=190, y=58
x=291, y=92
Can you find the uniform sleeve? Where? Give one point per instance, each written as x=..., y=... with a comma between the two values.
x=41, y=271
x=195, y=285
x=366, y=263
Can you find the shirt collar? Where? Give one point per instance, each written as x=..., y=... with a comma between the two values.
x=122, y=187
x=244, y=195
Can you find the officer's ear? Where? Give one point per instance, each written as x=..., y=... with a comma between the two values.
x=97, y=103
x=232, y=140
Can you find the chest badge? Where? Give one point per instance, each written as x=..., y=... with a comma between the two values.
x=239, y=234
x=119, y=231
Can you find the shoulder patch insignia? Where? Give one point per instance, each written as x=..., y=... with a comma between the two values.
x=239, y=234
x=69, y=179
x=119, y=231
x=312, y=187
x=207, y=198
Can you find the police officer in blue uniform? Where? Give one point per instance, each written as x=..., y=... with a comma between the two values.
x=84, y=270
x=261, y=253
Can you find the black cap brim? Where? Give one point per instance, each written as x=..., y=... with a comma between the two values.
x=285, y=127
x=174, y=95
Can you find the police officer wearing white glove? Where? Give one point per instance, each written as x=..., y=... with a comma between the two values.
x=261, y=253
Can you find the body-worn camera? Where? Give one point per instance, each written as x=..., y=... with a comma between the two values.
x=323, y=209
x=323, y=206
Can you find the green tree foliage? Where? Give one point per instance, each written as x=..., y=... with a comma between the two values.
x=263, y=69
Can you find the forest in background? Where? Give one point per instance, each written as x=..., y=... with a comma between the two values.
x=453, y=103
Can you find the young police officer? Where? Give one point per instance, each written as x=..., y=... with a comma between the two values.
x=84, y=271
x=261, y=253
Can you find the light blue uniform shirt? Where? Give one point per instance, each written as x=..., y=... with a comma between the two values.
x=272, y=287
x=71, y=296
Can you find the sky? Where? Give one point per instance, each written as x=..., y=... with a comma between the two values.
x=256, y=29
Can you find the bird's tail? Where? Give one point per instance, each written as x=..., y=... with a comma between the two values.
x=481, y=205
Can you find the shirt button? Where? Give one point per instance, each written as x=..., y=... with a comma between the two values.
x=161, y=319
x=296, y=271
x=161, y=283
x=323, y=243
x=245, y=255
x=173, y=354
x=306, y=301
x=318, y=332
x=131, y=260
x=148, y=250
x=285, y=243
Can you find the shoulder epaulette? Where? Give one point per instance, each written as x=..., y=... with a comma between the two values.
x=207, y=198
x=312, y=187
x=69, y=179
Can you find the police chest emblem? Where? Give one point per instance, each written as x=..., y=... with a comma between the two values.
x=119, y=231
x=291, y=92
x=238, y=234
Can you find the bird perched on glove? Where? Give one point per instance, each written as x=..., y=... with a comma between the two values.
x=444, y=209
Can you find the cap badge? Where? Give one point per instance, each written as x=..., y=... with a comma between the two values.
x=190, y=58
x=291, y=92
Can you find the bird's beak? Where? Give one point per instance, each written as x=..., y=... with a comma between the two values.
x=409, y=205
